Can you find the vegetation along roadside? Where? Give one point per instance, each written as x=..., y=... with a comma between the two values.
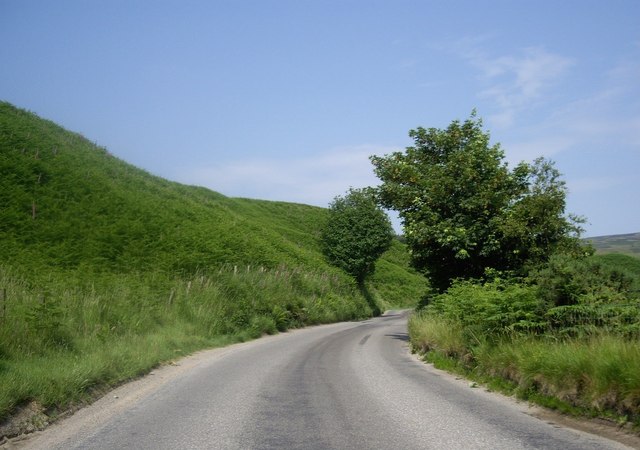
x=517, y=299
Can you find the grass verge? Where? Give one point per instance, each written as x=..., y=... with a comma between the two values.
x=91, y=331
x=594, y=377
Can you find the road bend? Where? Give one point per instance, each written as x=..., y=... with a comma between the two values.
x=342, y=386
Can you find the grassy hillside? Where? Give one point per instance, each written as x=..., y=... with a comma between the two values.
x=628, y=244
x=69, y=203
x=107, y=270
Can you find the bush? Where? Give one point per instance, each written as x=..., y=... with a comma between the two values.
x=492, y=309
x=587, y=295
x=566, y=280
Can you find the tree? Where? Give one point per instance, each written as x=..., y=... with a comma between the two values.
x=356, y=234
x=464, y=211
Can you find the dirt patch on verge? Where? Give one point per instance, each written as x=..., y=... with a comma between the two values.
x=27, y=419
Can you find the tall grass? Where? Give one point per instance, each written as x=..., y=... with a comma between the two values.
x=600, y=373
x=437, y=334
x=85, y=330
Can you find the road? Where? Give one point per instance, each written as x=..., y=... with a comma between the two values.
x=342, y=386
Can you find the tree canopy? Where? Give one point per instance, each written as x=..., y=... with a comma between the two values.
x=465, y=211
x=357, y=233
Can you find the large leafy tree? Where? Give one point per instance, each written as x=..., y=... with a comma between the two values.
x=357, y=233
x=464, y=210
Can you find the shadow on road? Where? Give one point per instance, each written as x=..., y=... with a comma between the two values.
x=399, y=336
x=370, y=300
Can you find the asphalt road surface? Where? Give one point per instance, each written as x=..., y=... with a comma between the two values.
x=342, y=386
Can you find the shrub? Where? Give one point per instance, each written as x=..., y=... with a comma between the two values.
x=587, y=295
x=492, y=309
x=566, y=280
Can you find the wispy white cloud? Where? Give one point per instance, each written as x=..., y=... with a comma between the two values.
x=511, y=82
x=527, y=79
x=518, y=81
x=611, y=113
x=594, y=184
x=315, y=180
x=607, y=115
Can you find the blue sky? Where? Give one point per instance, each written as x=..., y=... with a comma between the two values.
x=286, y=100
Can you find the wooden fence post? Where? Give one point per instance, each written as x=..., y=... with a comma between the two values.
x=3, y=300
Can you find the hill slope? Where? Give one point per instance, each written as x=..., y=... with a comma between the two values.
x=628, y=244
x=66, y=202
x=107, y=270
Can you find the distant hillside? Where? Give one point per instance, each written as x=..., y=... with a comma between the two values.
x=628, y=244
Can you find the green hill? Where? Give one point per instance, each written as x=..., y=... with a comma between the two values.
x=107, y=270
x=67, y=202
x=628, y=244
